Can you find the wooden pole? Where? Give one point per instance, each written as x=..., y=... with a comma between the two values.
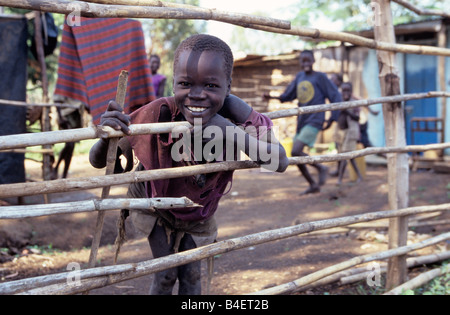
x=442, y=42
x=420, y=280
x=169, y=12
x=311, y=278
x=98, y=10
x=102, y=276
x=31, y=211
x=110, y=164
x=79, y=134
x=45, y=116
x=394, y=120
x=83, y=183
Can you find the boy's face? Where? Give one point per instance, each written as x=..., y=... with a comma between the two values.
x=307, y=62
x=154, y=64
x=346, y=92
x=200, y=84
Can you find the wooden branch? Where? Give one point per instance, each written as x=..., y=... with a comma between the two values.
x=420, y=280
x=79, y=134
x=83, y=183
x=30, y=211
x=87, y=9
x=102, y=276
x=395, y=135
x=421, y=11
x=361, y=273
x=98, y=10
x=352, y=104
x=355, y=40
x=411, y=263
x=400, y=251
x=17, y=103
x=111, y=157
x=215, y=15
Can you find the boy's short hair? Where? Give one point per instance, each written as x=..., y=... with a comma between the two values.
x=310, y=52
x=349, y=84
x=203, y=42
x=154, y=56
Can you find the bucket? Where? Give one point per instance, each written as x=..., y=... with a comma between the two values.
x=287, y=145
x=360, y=163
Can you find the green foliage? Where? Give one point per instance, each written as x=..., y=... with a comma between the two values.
x=438, y=286
x=356, y=14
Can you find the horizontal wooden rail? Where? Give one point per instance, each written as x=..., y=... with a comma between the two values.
x=166, y=12
x=79, y=134
x=30, y=211
x=25, y=104
x=101, y=276
x=83, y=183
x=399, y=251
x=88, y=9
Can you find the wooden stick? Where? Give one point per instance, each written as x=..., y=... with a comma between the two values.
x=97, y=10
x=83, y=183
x=17, y=103
x=30, y=211
x=355, y=40
x=210, y=14
x=420, y=280
x=79, y=134
x=421, y=11
x=394, y=120
x=399, y=251
x=411, y=263
x=129, y=11
x=360, y=273
x=101, y=276
x=110, y=165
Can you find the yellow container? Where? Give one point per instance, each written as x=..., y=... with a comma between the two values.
x=287, y=145
x=360, y=163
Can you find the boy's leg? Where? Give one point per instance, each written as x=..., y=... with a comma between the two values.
x=297, y=150
x=189, y=275
x=163, y=281
x=342, y=166
x=355, y=167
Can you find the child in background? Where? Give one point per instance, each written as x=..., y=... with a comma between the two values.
x=310, y=88
x=202, y=82
x=348, y=131
x=159, y=80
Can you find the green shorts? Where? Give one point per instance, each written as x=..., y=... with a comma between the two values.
x=307, y=135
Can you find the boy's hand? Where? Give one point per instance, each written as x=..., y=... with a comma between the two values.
x=115, y=118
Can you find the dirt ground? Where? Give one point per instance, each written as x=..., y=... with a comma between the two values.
x=259, y=201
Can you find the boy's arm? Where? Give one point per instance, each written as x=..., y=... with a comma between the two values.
x=267, y=150
x=114, y=118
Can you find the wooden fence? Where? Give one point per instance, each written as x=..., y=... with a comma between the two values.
x=394, y=123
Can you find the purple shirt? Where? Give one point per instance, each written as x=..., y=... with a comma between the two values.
x=154, y=153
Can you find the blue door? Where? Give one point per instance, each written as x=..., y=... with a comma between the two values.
x=420, y=77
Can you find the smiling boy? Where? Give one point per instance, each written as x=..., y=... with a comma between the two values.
x=202, y=83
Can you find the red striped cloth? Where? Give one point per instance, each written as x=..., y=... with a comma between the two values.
x=93, y=54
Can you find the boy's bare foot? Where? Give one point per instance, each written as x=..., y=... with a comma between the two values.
x=311, y=190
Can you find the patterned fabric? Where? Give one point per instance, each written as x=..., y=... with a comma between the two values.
x=91, y=58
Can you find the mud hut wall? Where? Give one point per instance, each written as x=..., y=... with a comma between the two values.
x=254, y=76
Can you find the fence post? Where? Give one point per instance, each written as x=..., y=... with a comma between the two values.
x=398, y=169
